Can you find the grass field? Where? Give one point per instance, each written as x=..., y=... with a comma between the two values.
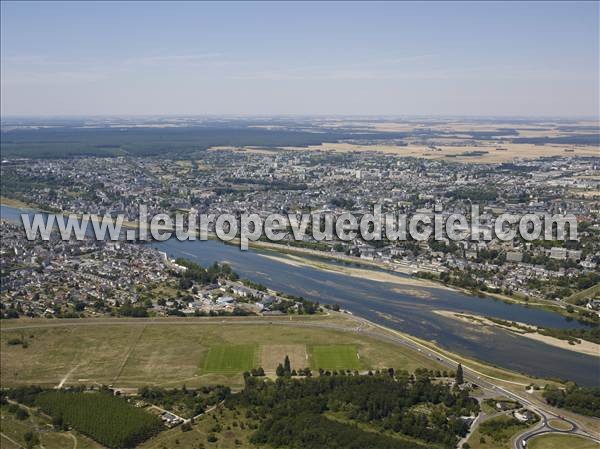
x=230, y=359
x=13, y=432
x=579, y=297
x=133, y=354
x=479, y=441
x=561, y=442
x=335, y=357
x=273, y=355
x=231, y=434
x=501, y=439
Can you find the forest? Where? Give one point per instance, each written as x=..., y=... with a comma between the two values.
x=386, y=410
x=70, y=141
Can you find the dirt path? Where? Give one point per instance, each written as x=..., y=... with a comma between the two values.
x=3, y=435
x=74, y=440
x=64, y=379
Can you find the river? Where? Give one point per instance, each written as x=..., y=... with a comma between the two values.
x=398, y=307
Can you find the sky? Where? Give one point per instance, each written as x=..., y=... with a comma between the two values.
x=388, y=58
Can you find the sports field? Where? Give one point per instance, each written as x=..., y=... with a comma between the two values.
x=134, y=353
x=230, y=359
x=335, y=357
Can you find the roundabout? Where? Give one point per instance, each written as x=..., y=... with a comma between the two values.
x=555, y=432
x=560, y=425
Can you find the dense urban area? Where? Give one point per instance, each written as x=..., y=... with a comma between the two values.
x=88, y=278
x=228, y=181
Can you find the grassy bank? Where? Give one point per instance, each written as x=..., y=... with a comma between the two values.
x=11, y=202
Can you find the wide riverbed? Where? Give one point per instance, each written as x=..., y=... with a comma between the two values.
x=412, y=312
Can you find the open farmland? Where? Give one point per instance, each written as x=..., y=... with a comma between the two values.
x=168, y=354
x=467, y=151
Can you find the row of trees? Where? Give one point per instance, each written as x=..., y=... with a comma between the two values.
x=286, y=370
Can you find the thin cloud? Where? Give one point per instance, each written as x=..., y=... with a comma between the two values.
x=189, y=59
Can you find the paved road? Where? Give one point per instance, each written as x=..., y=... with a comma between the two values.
x=543, y=427
x=364, y=327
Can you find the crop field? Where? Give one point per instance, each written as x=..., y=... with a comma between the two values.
x=230, y=359
x=465, y=151
x=134, y=353
x=335, y=357
x=105, y=418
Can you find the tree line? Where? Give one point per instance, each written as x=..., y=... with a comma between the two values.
x=583, y=400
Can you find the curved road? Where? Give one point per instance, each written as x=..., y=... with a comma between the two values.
x=544, y=428
x=365, y=327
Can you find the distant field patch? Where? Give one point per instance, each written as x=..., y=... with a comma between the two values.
x=273, y=355
x=232, y=359
x=335, y=357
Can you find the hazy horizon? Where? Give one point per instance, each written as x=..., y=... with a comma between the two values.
x=496, y=60
x=299, y=115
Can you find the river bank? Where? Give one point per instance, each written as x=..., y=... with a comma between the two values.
x=11, y=202
x=527, y=331
x=373, y=275
x=377, y=272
